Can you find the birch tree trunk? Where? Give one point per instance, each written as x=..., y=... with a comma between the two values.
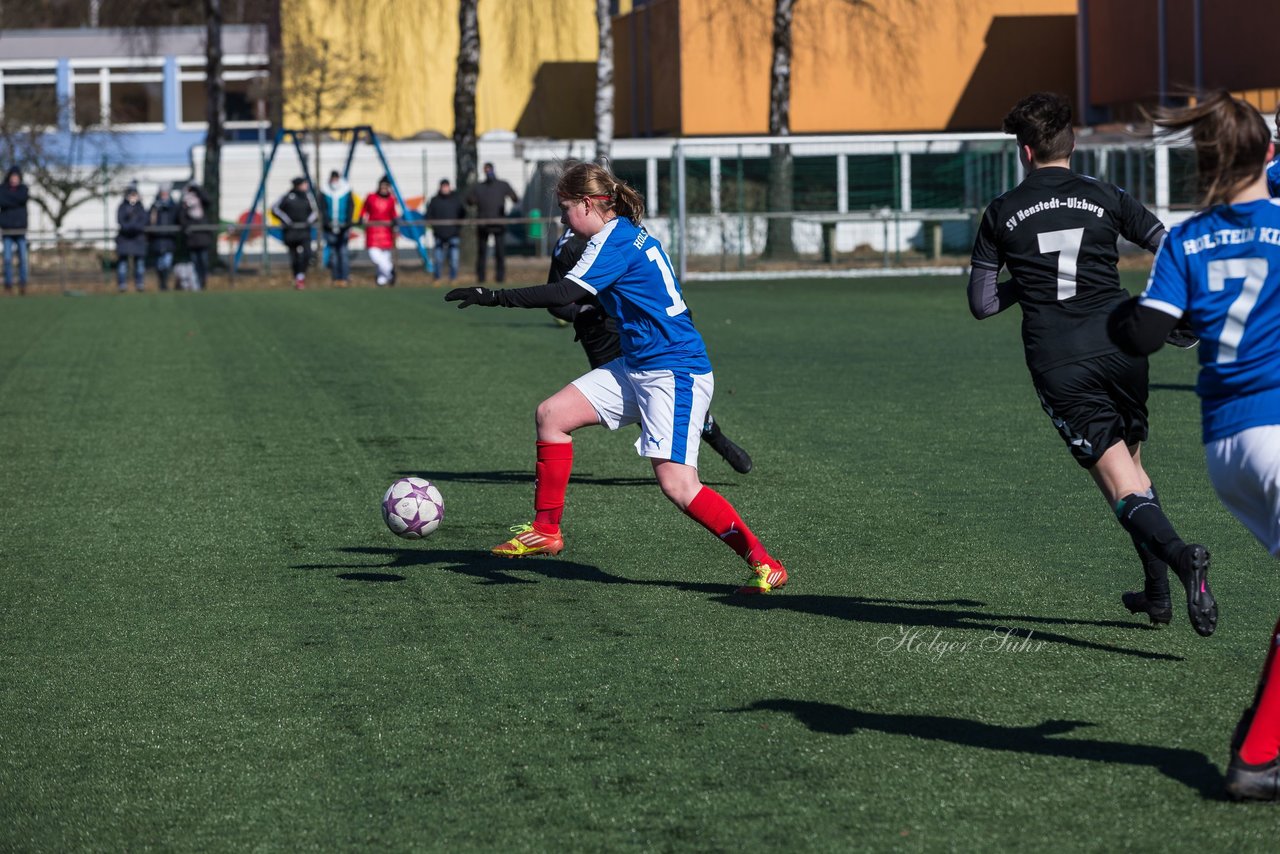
x=215, y=106
x=778, y=244
x=464, y=112
x=604, y=83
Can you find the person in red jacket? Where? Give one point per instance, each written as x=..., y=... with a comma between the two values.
x=380, y=235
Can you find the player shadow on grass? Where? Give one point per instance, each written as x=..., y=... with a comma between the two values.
x=487, y=568
x=1188, y=767
x=904, y=613
x=900, y=613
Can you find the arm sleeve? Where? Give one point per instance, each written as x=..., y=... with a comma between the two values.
x=987, y=296
x=1139, y=225
x=553, y=295
x=986, y=254
x=600, y=265
x=278, y=210
x=1167, y=288
x=1137, y=329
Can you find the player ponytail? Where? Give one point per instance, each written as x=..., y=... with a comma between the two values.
x=1231, y=141
x=602, y=187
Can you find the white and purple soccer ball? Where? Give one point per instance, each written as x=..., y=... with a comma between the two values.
x=412, y=508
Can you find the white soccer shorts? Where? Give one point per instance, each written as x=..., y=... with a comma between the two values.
x=670, y=407
x=1245, y=471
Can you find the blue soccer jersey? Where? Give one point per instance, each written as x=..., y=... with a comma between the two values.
x=631, y=276
x=1221, y=268
x=1273, y=178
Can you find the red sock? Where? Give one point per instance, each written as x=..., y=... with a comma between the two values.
x=555, y=461
x=1262, y=744
x=709, y=509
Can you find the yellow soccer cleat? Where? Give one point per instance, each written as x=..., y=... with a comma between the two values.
x=766, y=575
x=528, y=542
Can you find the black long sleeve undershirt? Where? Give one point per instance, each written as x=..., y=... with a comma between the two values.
x=551, y=295
x=1138, y=329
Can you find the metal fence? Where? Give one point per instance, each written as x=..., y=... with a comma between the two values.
x=858, y=205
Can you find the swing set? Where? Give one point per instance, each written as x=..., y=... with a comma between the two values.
x=416, y=233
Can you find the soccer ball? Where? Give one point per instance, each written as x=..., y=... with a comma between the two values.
x=412, y=508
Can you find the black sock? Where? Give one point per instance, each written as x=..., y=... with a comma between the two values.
x=710, y=429
x=1141, y=515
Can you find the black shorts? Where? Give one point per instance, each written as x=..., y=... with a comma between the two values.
x=1096, y=403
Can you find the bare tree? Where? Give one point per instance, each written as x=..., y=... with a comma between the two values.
x=323, y=80
x=778, y=242
x=215, y=106
x=465, y=151
x=872, y=42
x=604, y=82
x=66, y=170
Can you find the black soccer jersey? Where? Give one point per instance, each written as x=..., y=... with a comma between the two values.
x=596, y=330
x=1056, y=234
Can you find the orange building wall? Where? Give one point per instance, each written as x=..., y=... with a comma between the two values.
x=647, y=63
x=1238, y=50
x=930, y=66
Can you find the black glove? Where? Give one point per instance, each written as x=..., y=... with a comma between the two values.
x=472, y=296
x=1182, y=336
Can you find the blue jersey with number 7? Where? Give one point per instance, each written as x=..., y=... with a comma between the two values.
x=625, y=267
x=1222, y=269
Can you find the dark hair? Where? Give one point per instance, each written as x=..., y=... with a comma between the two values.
x=1042, y=121
x=335, y=174
x=1231, y=141
x=444, y=181
x=595, y=182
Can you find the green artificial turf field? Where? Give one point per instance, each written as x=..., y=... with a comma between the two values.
x=209, y=640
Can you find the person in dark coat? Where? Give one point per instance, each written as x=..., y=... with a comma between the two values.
x=442, y=214
x=162, y=234
x=131, y=240
x=13, y=225
x=337, y=212
x=297, y=214
x=193, y=217
x=490, y=200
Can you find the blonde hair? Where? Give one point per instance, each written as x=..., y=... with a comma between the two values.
x=1231, y=141
x=596, y=183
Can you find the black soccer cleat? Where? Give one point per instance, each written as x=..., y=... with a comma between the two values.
x=1253, y=782
x=1158, y=610
x=1193, y=572
x=734, y=455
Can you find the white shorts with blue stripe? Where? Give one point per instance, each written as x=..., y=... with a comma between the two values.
x=670, y=407
x=1245, y=471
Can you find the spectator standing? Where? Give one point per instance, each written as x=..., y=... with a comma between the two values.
x=337, y=213
x=489, y=198
x=296, y=214
x=162, y=234
x=13, y=224
x=131, y=241
x=193, y=216
x=380, y=235
x=445, y=208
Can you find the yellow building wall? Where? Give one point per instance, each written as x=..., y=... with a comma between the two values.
x=529, y=49
x=940, y=65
